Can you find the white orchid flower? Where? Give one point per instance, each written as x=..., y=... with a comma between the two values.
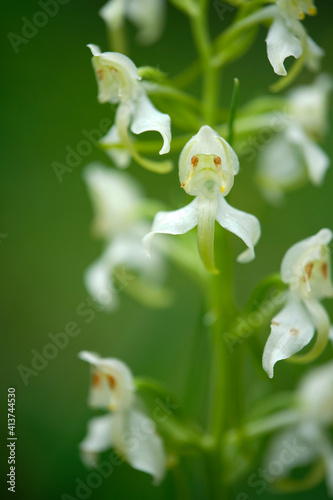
x=207, y=167
x=118, y=203
x=306, y=269
x=308, y=441
x=293, y=156
x=127, y=428
x=287, y=36
x=119, y=83
x=147, y=15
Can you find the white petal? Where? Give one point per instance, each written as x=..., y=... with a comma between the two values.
x=115, y=196
x=148, y=16
x=317, y=161
x=176, y=222
x=281, y=43
x=112, y=382
x=146, y=117
x=142, y=446
x=119, y=156
x=98, y=439
x=113, y=13
x=315, y=393
x=314, y=54
x=242, y=224
x=97, y=279
x=291, y=330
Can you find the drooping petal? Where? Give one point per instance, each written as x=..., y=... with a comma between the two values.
x=118, y=155
x=97, y=440
x=112, y=384
x=314, y=55
x=146, y=117
x=98, y=281
x=281, y=43
x=207, y=207
x=242, y=224
x=316, y=160
x=142, y=446
x=175, y=222
x=113, y=13
x=291, y=330
x=148, y=16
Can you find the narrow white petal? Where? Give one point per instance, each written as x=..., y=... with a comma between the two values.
x=315, y=393
x=291, y=330
x=207, y=207
x=175, y=222
x=148, y=16
x=98, y=282
x=113, y=13
x=119, y=156
x=281, y=43
x=316, y=160
x=143, y=447
x=314, y=54
x=146, y=117
x=98, y=439
x=242, y=224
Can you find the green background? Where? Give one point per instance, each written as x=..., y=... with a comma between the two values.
x=48, y=98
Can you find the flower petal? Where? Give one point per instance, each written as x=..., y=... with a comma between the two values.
x=291, y=330
x=281, y=43
x=113, y=13
x=112, y=384
x=98, y=439
x=314, y=54
x=118, y=155
x=143, y=447
x=175, y=222
x=207, y=207
x=98, y=282
x=146, y=117
x=242, y=224
x=148, y=16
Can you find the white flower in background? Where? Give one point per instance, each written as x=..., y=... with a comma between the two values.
x=308, y=441
x=306, y=269
x=119, y=83
x=207, y=167
x=287, y=36
x=118, y=205
x=126, y=428
x=147, y=15
x=293, y=156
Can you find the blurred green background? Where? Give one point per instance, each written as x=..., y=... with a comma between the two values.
x=48, y=98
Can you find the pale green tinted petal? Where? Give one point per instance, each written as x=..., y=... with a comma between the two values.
x=105, y=392
x=314, y=54
x=146, y=117
x=317, y=161
x=175, y=222
x=291, y=330
x=242, y=224
x=148, y=16
x=207, y=207
x=119, y=156
x=98, y=439
x=315, y=393
x=281, y=43
x=290, y=272
x=145, y=451
x=98, y=282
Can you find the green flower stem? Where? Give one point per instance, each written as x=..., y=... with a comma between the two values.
x=117, y=40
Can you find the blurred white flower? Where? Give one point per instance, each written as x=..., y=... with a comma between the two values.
x=293, y=156
x=308, y=441
x=118, y=205
x=127, y=428
x=119, y=83
x=306, y=269
x=147, y=15
x=287, y=36
x=207, y=167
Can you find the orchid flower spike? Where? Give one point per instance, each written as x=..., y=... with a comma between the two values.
x=306, y=269
x=119, y=83
x=207, y=167
x=118, y=205
x=147, y=15
x=287, y=36
x=293, y=156
x=112, y=388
